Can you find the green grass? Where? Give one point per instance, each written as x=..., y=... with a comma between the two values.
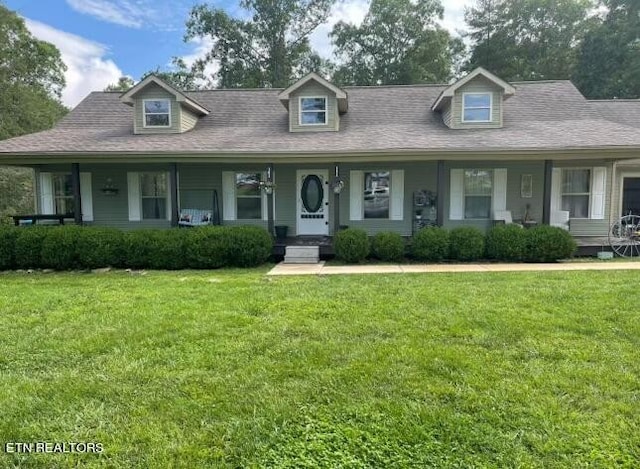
x=235, y=369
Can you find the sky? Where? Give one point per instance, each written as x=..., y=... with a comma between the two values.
x=102, y=40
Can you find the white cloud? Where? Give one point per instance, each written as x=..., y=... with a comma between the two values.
x=454, y=15
x=349, y=11
x=87, y=69
x=123, y=13
x=201, y=46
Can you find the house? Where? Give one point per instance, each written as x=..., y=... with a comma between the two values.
x=314, y=156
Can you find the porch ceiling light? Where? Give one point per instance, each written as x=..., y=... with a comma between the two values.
x=337, y=184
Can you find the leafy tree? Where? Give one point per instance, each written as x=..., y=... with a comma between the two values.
x=527, y=39
x=609, y=58
x=268, y=49
x=181, y=76
x=31, y=81
x=124, y=84
x=399, y=42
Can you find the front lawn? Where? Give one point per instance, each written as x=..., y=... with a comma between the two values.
x=236, y=369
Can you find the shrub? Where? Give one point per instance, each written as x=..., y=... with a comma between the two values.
x=59, y=247
x=351, y=245
x=168, y=249
x=28, y=246
x=248, y=246
x=430, y=244
x=137, y=248
x=548, y=244
x=388, y=246
x=8, y=235
x=506, y=243
x=99, y=247
x=206, y=247
x=467, y=243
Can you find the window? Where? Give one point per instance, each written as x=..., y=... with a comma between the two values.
x=313, y=111
x=476, y=107
x=157, y=112
x=62, y=194
x=248, y=196
x=376, y=194
x=477, y=193
x=153, y=190
x=576, y=191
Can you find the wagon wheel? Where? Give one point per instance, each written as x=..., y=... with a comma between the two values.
x=624, y=236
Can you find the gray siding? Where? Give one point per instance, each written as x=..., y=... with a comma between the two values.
x=153, y=91
x=313, y=89
x=478, y=84
x=446, y=115
x=417, y=176
x=515, y=202
x=188, y=120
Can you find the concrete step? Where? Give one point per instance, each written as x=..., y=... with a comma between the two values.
x=302, y=255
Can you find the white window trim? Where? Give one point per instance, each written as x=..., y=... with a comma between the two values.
x=490, y=94
x=145, y=114
x=622, y=176
x=562, y=193
x=262, y=196
x=491, y=196
x=167, y=196
x=326, y=110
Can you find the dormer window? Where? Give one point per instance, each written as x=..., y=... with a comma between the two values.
x=476, y=107
x=313, y=110
x=157, y=112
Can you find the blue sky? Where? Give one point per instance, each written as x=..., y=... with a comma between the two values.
x=101, y=40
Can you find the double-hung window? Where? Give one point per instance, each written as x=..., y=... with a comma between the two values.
x=153, y=191
x=248, y=196
x=478, y=188
x=377, y=189
x=313, y=111
x=157, y=112
x=62, y=193
x=476, y=107
x=576, y=190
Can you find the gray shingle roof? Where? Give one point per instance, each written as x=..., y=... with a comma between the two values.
x=623, y=111
x=542, y=115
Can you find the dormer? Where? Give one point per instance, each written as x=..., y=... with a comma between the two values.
x=474, y=102
x=314, y=104
x=159, y=108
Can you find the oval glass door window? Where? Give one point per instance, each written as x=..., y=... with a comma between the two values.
x=312, y=193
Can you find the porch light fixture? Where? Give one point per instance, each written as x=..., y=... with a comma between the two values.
x=337, y=184
x=109, y=188
x=267, y=187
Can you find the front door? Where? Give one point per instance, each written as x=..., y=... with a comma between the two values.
x=313, y=202
x=631, y=196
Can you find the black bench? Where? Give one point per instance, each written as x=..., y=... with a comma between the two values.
x=34, y=218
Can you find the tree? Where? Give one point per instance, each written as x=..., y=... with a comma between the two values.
x=124, y=84
x=399, y=42
x=527, y=39
x=609, y=57
x=31, y=81
x=269, y=49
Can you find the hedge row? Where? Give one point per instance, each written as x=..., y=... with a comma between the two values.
x=78, y=247
x=434, y=244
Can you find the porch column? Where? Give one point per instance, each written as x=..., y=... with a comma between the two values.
x=440, y=180
x=173, y=185
x=270, y=221
x=546, y=195
x=77, y=199
x=336, y=201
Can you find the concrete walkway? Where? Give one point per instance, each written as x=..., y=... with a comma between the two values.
x=322, y=269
